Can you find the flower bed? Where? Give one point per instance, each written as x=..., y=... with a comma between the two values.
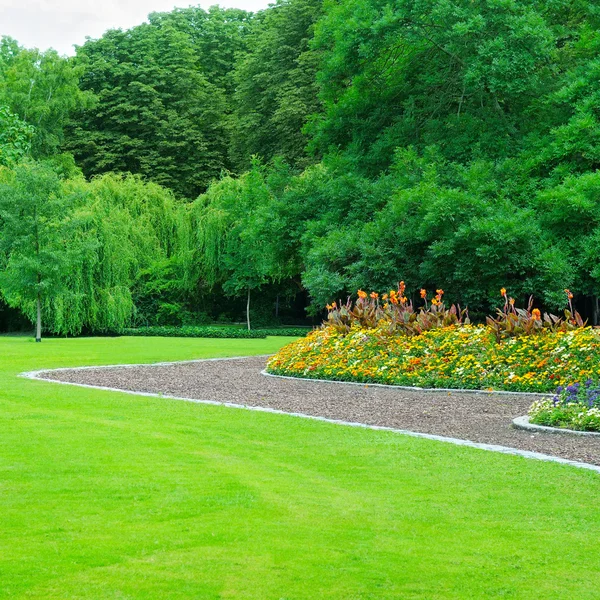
x=575, y=406
x=457, y=356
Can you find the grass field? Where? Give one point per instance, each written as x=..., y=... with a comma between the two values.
x=112, y=496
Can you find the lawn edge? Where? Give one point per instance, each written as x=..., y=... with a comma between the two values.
x=38, y=376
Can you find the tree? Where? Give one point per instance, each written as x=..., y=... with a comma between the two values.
x=276, y=86
x=156, y=114
x=463, y=76
x=42, y=89
x=37, y=244
x=218, y=36
x=229, y=252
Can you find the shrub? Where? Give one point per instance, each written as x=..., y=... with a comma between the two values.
x=212, y=332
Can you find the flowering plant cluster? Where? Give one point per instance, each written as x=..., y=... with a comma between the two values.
x=394, y=313
x=457, y=356
x=511, y=321
x=575, y=406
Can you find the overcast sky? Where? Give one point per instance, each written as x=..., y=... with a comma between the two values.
x=61, y=23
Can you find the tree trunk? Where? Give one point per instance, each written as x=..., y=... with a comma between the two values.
x=38, y=324
x=248, y=310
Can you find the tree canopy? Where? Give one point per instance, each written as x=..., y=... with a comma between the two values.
x=310, y=149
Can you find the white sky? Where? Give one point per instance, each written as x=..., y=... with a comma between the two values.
x=61, y=23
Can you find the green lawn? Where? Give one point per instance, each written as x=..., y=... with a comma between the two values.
x=111, y=496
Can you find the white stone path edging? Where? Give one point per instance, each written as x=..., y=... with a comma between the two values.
x=38, y=375
x=523, y=423
x=409, y=388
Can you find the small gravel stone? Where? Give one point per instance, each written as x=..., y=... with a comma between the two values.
x=485, y=417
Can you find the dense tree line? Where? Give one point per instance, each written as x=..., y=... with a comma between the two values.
x=289, y=157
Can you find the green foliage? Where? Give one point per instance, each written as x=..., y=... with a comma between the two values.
x=42, y=88
x=454, y=143
x=155, y=113
x=434, y=72
x=230, y=252
x=219, y=37
x=394, y=313
x=82, y=248
x=39, y=245
x=213, y=332
x=276, y=89
x=194, y=332
x=15, y=138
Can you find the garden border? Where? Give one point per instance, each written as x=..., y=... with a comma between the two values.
x=523, y=423
x=38, y=376
x=410, y=388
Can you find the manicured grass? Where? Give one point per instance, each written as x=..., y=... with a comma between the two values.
x=108, y=495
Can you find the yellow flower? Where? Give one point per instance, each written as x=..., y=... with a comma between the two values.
x=503, y=291
x=362, y=294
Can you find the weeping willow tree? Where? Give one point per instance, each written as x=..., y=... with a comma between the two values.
x=74, y=251
x=227, y=250
x=135, y=226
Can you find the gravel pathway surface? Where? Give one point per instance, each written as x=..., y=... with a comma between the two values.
x=485, y=417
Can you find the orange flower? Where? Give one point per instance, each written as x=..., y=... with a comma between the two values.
x=536, y=314
x=329, y=307
x=511, y=301
x=569, y=294
x=362, y=294
x=384, y=297
x=374, y=295
x=503, y=291
x=439, y=292
x=435, y=301
x=403, y=300
x=333, y=305
x=401, y=288
x=423, y=294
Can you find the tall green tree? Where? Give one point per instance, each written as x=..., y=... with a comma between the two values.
x=219, y=37
x=229, y=251
x=42, y=89
x=465, y=76
x=156, y=114
x=276, y=85
x=38, y=248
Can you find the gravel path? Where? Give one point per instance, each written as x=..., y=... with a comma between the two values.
x=482, y=418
